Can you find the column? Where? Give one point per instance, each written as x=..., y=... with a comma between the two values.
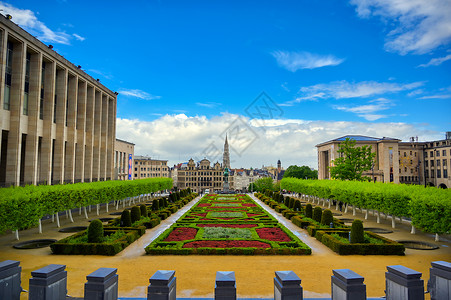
x=347, y=285
x=48, y=283
x=89, y=137
x=110, y=138
x=439, y=285
x=97, y=136
x=162, y=286
x=287, y=286
x=60, y=146
x=10, y=280
x=71, y=138
x=102, y=285
x=80, y=128
x=103, y=140
x=225, y=288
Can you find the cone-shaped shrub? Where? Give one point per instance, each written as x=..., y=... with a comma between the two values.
x=308, y=211
x=156, y=204
x=143, y=209
x=161, y=200
x=135, y=214
x=297, y=205
x=317, y=214
x=95, y=232
x=126, y=220
x=357, y=232
x=327, y=217
x=291, y=203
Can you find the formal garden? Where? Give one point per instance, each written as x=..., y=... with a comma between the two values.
x=227, y=224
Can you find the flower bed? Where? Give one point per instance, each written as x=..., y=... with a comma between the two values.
x=227, y=225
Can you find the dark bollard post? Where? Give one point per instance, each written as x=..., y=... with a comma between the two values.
x=102, y=285
x=287, y=286
x=439, y=285
x=347, y=285
x=225, y=288
x=48, y=283
x=162, y=286
x=10, y=280
x=403, y=283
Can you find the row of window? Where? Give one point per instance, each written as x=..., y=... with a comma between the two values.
x=439, y=173
x=198, y=173
x=405, y=170
x=431, y=163
x=151, y=175
x=204, y=184
x=405, y=153
x=152, y=169
x=437, y=153
x=141, y=163
x=408, y=178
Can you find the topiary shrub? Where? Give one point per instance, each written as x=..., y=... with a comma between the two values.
x=161, y=202
x=308, y=211
x=155, y=205
x=297, y=206
x=357, y=232
x=317, y=214
x=291, y=203
x=126, y=220
x=327, y=217
x=135, y=214
x=95, y=232
x=143, y=209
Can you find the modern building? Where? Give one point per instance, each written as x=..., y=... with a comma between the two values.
x=410, y=162
x=146, y=167
x=58, y=124
x=201, y=176
x=124, y=153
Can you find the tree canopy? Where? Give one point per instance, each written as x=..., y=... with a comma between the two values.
x=352, y=161
x=303, y=172
x=261, y=184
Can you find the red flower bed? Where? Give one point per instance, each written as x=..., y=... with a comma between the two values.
x=201, y=215
x=229, y=225
x=252, y=215
x=273, y=234
x=181, y=234
x=248, y=205
x=204, y=205
x=226, y=244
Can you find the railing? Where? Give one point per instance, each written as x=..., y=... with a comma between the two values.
x=50, y=283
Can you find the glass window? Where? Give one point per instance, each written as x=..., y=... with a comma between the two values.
x=439, y=175
x=437, y=153
x=426, y=163
x=8, y=76
x=432, y=163
x=432, y=153
x=427, y=173
x=444, y=162
x=445, y=173
x=438, y=162
x=425, y=154
x=444, y=152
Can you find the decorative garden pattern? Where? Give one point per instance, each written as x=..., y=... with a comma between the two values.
x=232, y=224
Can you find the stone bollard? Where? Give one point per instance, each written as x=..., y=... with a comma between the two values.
x=102, y=285
x=162, y=286
x=347, y=285
x=48, y=283
x=439, y=284
x=10, y=280
x=287, y=286
x=225, y=288
x=403, y=283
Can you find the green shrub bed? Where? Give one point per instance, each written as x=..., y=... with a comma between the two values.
x=227, y=225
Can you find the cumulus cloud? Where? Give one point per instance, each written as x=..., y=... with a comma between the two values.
x=138, y=94
x=344, y=89
x=417, y=26
x=28, y=20
x=293, y=61
x=367, y=111
x=180, y=137
x=436, y=61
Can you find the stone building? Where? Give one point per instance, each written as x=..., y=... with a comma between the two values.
x=123, y=160
x=146, y=167
x=410, y=162
x=201, y=176
x=58, y=124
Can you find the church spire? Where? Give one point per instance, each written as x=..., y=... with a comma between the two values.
x=226, y=156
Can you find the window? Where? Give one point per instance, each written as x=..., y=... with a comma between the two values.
x=41, y=104
x=444, y=162
x=439, y=175
x=432, y=162
x=405, y=169
x=415, y=154
x=445, y=173
x=427, y=173
x=444, y=152
x=426, y=163
x=437, y=153
x=410, y=152
x=27, y=85
x=432, y=153
x=136, y=169
x=438, y=162
x=8, y=76
x=399, y=170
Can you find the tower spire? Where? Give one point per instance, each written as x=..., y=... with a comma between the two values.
x=226, y=155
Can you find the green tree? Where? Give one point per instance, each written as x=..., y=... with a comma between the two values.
x=352, y=161
x=261, y=184
x=303, y=172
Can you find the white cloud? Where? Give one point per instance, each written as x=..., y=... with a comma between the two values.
x=443, y=96
x=138, y=94
x=79, y=37
x=208, y=104
x=419, y=26
x=28, y=20
x=343, y=89
x=436, y=61
x=180, y=137
x=293, y=61
x=367, y=111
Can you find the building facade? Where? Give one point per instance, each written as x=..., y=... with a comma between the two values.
x=146, y=167
x=57, y=123
x=201, y=176
x=412, y=162
x=124, y=153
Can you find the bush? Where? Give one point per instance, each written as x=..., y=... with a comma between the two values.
x=297, y=205
x=317, y=214
x=161, y=203
x=308, y=211
x=126, y=220
x=135, y=214
x=357, y=232
x=155, y=205
x=143, y=209
x=95, y=232
x=327, y=217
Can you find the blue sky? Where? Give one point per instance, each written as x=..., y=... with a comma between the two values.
x=189, y=71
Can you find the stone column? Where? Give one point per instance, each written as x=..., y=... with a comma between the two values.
x=439, y=285
x=103, y=140
x=31, y=152
x=10, y=280
x=111, y=137
x=347, y=285
x=162, y=286
x=15, y=111
x=80, y=128
x=71, y=135
x=48, y=283
x=403, y=283
x=60, y=127
x=287, y=286
x=225, y=288
x=89, y=138
x=97, y=136
x=102, y=285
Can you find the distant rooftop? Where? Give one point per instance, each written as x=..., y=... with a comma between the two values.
x=359, y=138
